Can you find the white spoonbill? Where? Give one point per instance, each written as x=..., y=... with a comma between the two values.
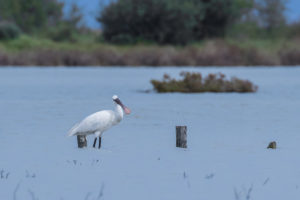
x=100, y=121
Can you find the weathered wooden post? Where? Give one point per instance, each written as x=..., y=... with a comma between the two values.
x=81, y=140
x=272, y=145
x=181, y=136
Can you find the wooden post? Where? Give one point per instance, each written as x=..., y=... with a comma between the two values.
x=181, y=137
x=272, y=145
x=81, y=140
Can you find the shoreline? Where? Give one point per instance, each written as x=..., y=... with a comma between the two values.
x=218, y=53
x=188, y=68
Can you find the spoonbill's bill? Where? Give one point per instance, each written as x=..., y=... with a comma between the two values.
x=100, y=121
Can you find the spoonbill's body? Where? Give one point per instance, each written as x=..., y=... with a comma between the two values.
x=100, y=121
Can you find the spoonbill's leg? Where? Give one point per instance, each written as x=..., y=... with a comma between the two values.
x=95, y=141
x=97, y=134
x=99, y=143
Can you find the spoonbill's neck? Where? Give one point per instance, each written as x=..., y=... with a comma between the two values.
x=119, y=112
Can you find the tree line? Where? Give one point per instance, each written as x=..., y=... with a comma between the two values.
x=181, y=22
x=38, y=17
x=154, y=21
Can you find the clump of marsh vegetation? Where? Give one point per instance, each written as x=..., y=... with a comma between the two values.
x=9, y=31
x=193, y=82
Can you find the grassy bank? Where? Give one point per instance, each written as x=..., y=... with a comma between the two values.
x=28, y=51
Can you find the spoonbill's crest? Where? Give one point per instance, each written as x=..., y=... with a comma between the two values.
x=100, y=121
x=115, y=97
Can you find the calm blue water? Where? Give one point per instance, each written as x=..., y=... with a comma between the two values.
x=227, y=136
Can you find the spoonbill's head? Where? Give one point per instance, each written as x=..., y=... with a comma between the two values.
x=118, y=101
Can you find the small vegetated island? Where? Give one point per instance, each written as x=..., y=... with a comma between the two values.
x=193, y=82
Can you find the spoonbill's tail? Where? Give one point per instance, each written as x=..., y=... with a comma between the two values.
x=73, y=130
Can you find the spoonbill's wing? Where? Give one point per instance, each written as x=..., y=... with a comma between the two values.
x=99, y=121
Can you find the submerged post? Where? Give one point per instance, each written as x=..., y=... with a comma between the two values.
x=181, y=136
x=81, y=140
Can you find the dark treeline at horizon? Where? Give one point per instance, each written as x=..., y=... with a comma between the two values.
x=177, y=22
x=90, y=9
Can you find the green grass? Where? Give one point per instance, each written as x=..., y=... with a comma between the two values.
x=86, y=42
x=25, y=42
x=269, y=45
x=213, y=52
x=83, y=43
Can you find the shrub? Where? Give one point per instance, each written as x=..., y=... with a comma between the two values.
x=294, y=30
x=167, y=21
x=62, y=33
x=31, y=15
x=127, y=21
x=245, y=30
x=195, y=83
x=8, y=31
